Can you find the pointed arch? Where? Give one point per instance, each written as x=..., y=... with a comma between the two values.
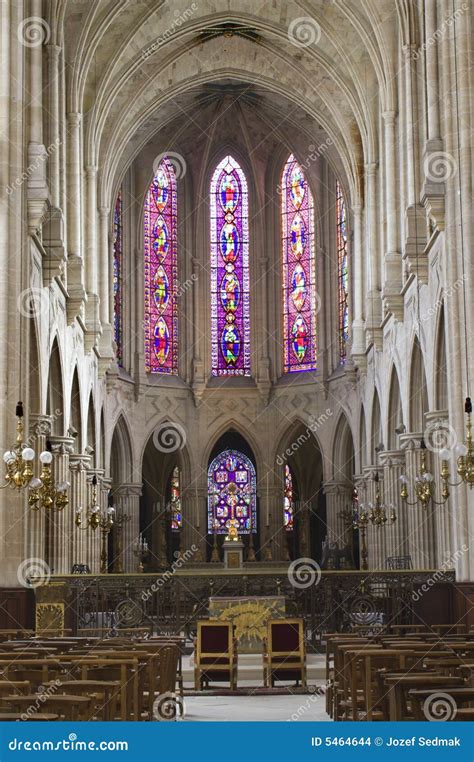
x=343, y=450
x=362, y=440
x=55, y=391
x=91, y=435
x=441, y=369
x=34, y=371
x=160, y=222
x=298, y=269
x=230, y=278
x=418, y=390
x=121, y=455
x=395, y=411
x=75, y=416
x=376, y=434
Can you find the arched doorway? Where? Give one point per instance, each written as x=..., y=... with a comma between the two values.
x=232, y=493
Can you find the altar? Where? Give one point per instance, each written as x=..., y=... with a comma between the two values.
x=249, y=615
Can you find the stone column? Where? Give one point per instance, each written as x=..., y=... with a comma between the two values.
x=78, y=465
x=432, y=76
x=375, y=535
x=127, y=501
x=92, y=311
x=37, y=156
x=421, y=534
x=270, y=499
x=373, y=312
x=338, y=500
x=40, y=430
x=393, y=463
x=358, y=341
x=392, y=261
x=440, y=435
x=105, y=285
x=411, y=121
x=53, y=131
x=61, y=522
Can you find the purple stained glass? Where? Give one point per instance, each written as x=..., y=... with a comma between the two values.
x=230, y=293
x=161, y=262
x=176, y=516
x=342, y=274
x=232, y=493
x=117, y=264
x=288, y=500
x=298, y=271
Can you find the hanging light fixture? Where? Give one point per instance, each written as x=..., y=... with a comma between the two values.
x=19, y=459
x=43, y=492
x=424, y=486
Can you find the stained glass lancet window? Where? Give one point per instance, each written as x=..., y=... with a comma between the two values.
x=288, y=500
x=230, y=288
x=117, y=286
x=342, y=274
x=299, y=279
x=175, y=500
x=161, y=255
x=232, y=493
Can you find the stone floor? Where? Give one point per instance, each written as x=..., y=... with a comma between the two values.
x=204, y=708
x=298, y=708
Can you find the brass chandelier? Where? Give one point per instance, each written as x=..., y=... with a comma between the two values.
x=43, y=492
x=424, y=485
x=97, y=518
x=19, y=459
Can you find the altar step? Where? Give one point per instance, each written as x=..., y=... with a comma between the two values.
x=250, y=669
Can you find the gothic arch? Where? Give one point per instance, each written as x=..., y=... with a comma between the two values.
x=417, y=390
x=440, y=365
x=233, y=425
x=343, y=456
x=75, y=416
x=395, y=411
x=376, y=433
x=55, y=391
x=90, y=433
x=34, y=370
x=362, y=439
x=121, y=453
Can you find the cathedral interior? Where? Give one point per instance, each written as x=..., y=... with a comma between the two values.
x=237, y=246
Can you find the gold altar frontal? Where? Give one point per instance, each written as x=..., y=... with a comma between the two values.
x=249, y=615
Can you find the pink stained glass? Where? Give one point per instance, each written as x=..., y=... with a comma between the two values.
x=160, y=266
x=176, y=516
x=298, y=270
x=230, y=288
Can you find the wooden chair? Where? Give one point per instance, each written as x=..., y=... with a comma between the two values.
x=284, y=655
x=215, y=657
x=459, y=695
x=398, y=687
x=71, y=708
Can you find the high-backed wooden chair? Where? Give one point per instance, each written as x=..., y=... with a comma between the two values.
x=284, y=656
x=215, y=657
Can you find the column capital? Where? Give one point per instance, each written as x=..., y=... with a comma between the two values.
x=74, y=118
x=392, y=458
x=131, y=489
x=411, y=440
x=104, y=211
x=389, y=117
x=91, y=171
x=62, y=445
x=371, y=167
x=53, y=51
x=337, y=488
x=40, y=425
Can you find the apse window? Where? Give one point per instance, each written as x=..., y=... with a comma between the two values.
x=230, y=282
x=298, y=270
x=161, y=272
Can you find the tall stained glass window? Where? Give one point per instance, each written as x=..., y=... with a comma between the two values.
x=342, y=274
x=230, y=292
x=117, y=286
x=175, y=500
x=288, y=500
x=299, y=279
x=161, y=255
x=232, y=493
